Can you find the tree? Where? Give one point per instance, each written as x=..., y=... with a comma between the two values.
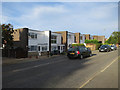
x=7, y=37
x=114, y=38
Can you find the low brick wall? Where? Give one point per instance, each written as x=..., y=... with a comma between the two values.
x=37, y=54
x=91, y=46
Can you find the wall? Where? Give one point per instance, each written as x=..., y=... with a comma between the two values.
x=42, y=38
x=64, y=37
x=71, y=38
x=99, y=38
x=91, y=46
x=87, y=36
x=20, y=39
x=77, y=35
x=83, y=38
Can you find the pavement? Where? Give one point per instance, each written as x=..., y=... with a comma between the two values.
x=98, y=71
x=7, y=61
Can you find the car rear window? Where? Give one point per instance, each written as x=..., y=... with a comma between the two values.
x=73, y=49
x=103, y=46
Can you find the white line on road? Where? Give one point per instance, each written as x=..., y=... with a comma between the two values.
x=40, y=65
x=98, y=73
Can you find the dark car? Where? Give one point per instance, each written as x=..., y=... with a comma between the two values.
x=113, y=47
x=78, y=52
x=105, y=48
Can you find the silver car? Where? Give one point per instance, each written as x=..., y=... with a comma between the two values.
x=113, y=47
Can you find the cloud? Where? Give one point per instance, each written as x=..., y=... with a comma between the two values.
x=90, y=18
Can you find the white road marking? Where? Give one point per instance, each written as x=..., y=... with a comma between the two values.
x=40, y=65
x=98, y=73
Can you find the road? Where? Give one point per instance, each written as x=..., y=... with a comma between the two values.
x=60, y=72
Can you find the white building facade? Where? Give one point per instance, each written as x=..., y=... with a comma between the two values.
x=39, y=41
x=82, y=38
x=70, y=39
x=56, y=42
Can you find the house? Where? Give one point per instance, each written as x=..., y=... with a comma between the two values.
x=64, y=40
x=67, y=38
x=71, y=39
x=77, y=37
x=101, y=39
x=87, y=36
x=36, y=42
x=82, y=38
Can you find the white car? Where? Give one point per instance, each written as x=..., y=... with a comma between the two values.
x=113, y=47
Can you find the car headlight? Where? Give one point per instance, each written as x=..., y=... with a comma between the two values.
x=105, y=48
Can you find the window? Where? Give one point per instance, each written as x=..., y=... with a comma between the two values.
x=32, y=48
x=61, y=40
x=44, y=48
x=53, y=39
x=75, y=39
x=33, y=35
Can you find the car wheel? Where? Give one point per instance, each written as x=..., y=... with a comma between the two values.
x=81, y=56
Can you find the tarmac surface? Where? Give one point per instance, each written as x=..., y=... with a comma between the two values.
x=98, y=71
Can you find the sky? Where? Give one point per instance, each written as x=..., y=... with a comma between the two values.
x=95, y=18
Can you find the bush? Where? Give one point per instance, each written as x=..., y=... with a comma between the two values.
x=92, y=41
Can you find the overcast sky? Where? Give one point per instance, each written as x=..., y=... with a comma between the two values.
x=95, y=18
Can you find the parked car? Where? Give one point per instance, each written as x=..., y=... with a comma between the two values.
x=105, y=48
x=113, y=47
x=55, y=52
x=78, y=52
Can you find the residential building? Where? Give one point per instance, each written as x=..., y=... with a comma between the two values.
x=101, y=39
x=63, y=38
x=37, y=42
x=82, y=38
x=56, y=43
x=20, y=40
x=70, y=39
x=87, y=36
x=77, y=37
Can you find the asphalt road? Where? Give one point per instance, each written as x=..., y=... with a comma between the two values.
x=60, y=72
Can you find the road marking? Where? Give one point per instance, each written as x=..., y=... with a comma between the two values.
x=98, y=73
x=40, y=65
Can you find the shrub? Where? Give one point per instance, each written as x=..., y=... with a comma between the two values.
x=92, y=41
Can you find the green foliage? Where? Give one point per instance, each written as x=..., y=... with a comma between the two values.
x=94, y=42
x=7, y=37
x=91, y=41
x=114, y=38
x=98, y=45
x=78, y=44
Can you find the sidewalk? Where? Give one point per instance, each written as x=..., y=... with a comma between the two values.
x=6, y=60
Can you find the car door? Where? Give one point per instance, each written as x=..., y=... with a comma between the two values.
x=84, y=52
